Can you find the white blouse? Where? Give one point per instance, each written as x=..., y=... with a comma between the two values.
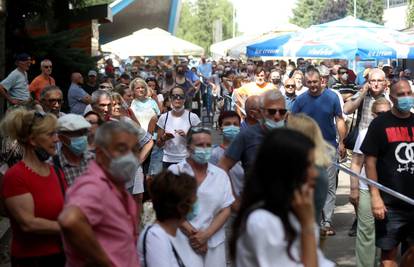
x=263, y=243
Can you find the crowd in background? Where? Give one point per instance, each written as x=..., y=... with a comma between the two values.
x=122, y=169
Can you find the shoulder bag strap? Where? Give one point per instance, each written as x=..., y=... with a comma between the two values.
x=189, y=118
x=144, y=245
x=177, y=257
x=58, y=167
x=359, y=115
x=165, y=123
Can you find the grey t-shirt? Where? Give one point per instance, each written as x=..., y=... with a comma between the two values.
x=17, y=85
x=244, y=147
x=75, y=97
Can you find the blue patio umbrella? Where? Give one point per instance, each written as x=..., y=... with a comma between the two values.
x=344, y=38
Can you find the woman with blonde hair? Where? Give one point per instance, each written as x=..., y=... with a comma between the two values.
x=33, y=190
x=324, y=153
x=145, y=108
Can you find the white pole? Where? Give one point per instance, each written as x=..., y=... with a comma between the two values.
x=355, y=9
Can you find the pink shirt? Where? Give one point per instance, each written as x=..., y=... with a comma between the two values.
x=111, y=214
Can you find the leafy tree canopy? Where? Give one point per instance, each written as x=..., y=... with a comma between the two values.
x=311, y=12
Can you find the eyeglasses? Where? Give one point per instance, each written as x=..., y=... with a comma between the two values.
x=47, y=67
x=105, y=87
x=273, y=111
x=55, y=100
x=178, y=97
x=290, y=85
x=376, y=81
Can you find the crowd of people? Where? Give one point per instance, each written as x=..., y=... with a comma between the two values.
x=128, y=173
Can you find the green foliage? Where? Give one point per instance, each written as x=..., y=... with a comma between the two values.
x=197, y=20
x=311, y=12
x=96, y=2
x=410, y=14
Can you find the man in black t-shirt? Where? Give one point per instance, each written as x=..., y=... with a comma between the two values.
x=389, y=151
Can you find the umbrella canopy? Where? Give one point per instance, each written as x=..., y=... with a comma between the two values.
x=236, y=47
x=155, y=42
x=345, y=38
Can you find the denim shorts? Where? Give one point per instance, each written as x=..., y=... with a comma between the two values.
x=397, y=226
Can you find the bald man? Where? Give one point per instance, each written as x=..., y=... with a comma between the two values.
x=388, y=149
x=252, y=111
x=372, y=90
x=77, y=97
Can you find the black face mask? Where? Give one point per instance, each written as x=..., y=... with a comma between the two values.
x=276, y=81
x=181, y=72
x=41, y=154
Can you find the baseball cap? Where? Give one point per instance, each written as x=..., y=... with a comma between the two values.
x=72, y=122
x=92, y=73
x=23, y=57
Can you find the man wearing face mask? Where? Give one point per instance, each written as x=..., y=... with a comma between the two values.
x=244, y=146
x=323, y=105
x=73, y=156
x=346, y=88
x=388, y=159
x=275, y=76
x=204, y=230
x=99, y=221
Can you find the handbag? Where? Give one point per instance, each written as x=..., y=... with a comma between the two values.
x=350, y=139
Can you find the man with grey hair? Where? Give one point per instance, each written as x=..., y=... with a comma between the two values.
x=51, y=99
x=362, y=101
x=44, y=79
x=99, y=220
x=101, y=103
x=243, y=148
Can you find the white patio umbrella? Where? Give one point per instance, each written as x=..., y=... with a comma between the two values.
x=155, y=42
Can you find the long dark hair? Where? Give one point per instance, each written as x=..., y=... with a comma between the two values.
x=280, y=168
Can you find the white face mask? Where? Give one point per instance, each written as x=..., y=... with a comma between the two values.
x=344, y=76
x=123, y=168
x=177, y=109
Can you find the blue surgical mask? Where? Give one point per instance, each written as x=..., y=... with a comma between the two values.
x=230, y=132
x=78, y=145
x=405, y=103
x=195, y=209
x=201, y=154
x=271, y=124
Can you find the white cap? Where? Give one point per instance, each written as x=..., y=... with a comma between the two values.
x=92, y=73
x=72, y=122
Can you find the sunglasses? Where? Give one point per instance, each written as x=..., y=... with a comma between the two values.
x=55, y=100
x=105, y=87
x=47, y=67
x=177, y=97
x=380, y=113
x=199, y=129
x=290, y=86
x=273, y=111
x=36, y=115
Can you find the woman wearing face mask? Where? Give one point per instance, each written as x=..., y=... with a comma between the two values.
x=173, y=198
x=32, y=191
x=204, y=231
x=143, y=107
x=173, y=127
x=276, y=222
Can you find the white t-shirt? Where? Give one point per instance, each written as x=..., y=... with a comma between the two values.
x=263, y=243
x=137, y=183
x=159, y=249
x=236, y=173
x=175, y=150
x=357, y=149
x=213, y=195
